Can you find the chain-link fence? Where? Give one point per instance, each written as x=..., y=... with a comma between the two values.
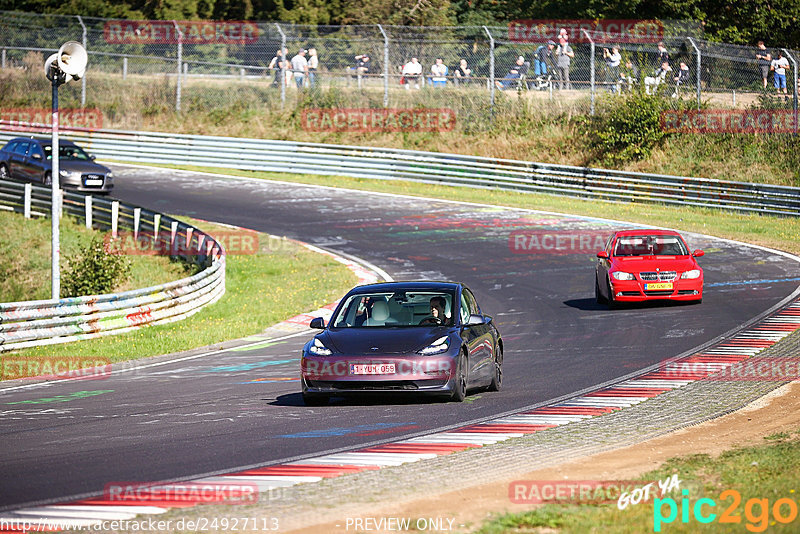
x=184, y=66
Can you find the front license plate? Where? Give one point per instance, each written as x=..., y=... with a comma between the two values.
x=652, y=287
x=371, y=368
x=94, y=181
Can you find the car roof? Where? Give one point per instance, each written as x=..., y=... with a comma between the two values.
x=644, y=231
x=43, y=140
x=406, y=285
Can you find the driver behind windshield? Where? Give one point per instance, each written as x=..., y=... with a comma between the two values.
x=438, y=305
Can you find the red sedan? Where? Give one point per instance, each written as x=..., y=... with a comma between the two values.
x=640, y=265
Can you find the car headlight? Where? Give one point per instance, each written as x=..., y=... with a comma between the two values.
x=437, y=347
x=319, y=349
x=619, y=275
x=691, y=275
x=67, y=174
x=109, y=174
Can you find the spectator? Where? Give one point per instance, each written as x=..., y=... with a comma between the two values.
x=613, y=59
x=313, y=65
x=517, y=71
x=564, y=55
x=300, y=68
x=681, y=79
x=543, y=58
x=764, y=60
x=438, y=73
x=663, y=55
x=630, y=75
x=277, y=64
x=780, y=65
x=462, y=72
x=412, y=72
x=362, y=65
x=651, y=83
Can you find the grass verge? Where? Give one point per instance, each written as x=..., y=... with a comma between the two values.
x=774, y=232
x=27, y=276
x=261, y=289
x=745, y=483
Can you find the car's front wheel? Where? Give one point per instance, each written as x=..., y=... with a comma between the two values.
x=598, y=295
x=47, y=178
x=497, y=371
x=3, y=172
x=460, y=380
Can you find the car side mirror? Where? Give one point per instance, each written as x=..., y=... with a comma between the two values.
x=475, y=320
x=317, y=323
x=36, y=156
x=92, y=157
x=697, y=253
x=603, y=255
x=488, y=319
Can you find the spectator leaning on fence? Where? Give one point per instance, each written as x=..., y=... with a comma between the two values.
x=651, y=83
x=764, y=60
x=779, y=65
x=681, y=79
x=300, y=67
x=412, y=71
x=439, y=73
x=564, y=55
x=462, y=73
x=362, y=64
x=517, y=71
x=613, y=59
x=543, y=58
x=277, y=65
x=313, y=65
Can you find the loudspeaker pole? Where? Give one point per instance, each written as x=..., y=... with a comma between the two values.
x=55, y=212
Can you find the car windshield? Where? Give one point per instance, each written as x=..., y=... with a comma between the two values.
x=67, y=152
x=400, y=308
x=650, y=245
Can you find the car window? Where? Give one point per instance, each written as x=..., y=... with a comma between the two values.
x=464, y=310
x=472, y=304
x=650, y=245
x=68, y=152
x=399, y=308
x=36, y=149
x=22, y=148
x=10, y=147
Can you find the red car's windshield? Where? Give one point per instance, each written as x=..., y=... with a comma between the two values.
x=650, y=245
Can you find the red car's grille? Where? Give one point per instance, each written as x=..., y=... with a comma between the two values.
x=663, y=276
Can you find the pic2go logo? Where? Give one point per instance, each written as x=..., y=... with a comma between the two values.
x=756, y=511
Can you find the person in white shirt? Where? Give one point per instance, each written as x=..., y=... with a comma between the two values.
x=300, y=68
x=779, y=65
x=313, y=65
x=438, y=73
x=613, y=59
x=412, y=72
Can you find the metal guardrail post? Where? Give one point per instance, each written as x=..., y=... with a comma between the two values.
x=87, y=208
x=795, y=78
x=591, y=71
x=115, y=218
x=83, y=79
x=699, y=61
x=124, y=67
x=283, y=64
x=3, y=63
x=27, y=203
x=180, y=59
x=385, y=67
x=137, y=215
x=491, y=68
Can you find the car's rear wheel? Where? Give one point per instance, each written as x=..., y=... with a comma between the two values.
x=497, y=376
x=315, y=399
x=3, y=172
x=47, y=179
x=460, y=380
x=598, y=296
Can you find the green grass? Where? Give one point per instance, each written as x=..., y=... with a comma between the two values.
x=26, y=276
x=775, y=232
x=261, y=290
x=770, y=471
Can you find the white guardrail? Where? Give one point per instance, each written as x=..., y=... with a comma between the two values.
x=430, y=167
x=47, y=322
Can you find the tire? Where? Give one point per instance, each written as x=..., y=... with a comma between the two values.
x=598, y=296
x=46, y=179
x=612, y=304
x=460, y=382
x=3, y=172
x=497, y=375
x=315, y=399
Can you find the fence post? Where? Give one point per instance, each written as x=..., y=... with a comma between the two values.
x=591, y=71
x=173, y=238
x=124, y=67
x=3, y=64
x=87, y=210
x=83, y=78
x=385, y=67
x=283, y=63
x=137, y=215
x=27, y=202
x=114, y=218
x=795, y=77
x=491, y=69
x=180, y=60
x=699, y=61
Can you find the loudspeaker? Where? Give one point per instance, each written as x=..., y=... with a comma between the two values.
x=71, y=60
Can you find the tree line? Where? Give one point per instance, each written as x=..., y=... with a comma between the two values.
x=777, y=22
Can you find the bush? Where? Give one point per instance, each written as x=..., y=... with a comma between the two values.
x=93, y=271
x=626, y=128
